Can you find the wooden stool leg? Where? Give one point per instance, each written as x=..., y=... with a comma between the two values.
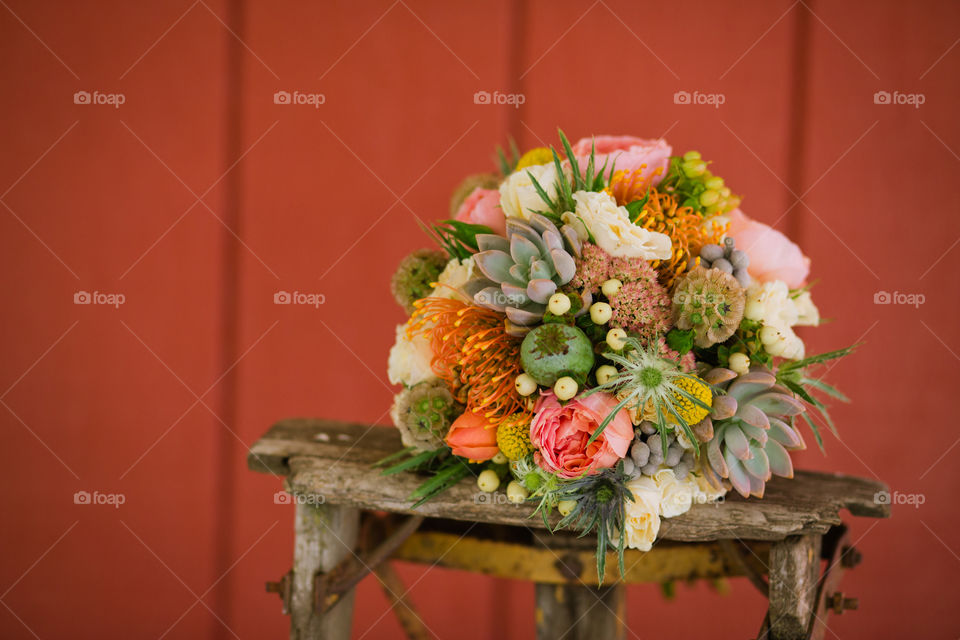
x=794, y=571
x=576, y=612
x=325, y=535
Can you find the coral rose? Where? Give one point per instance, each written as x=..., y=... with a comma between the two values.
x=482, y=206
x=472, y=436
x=560, y=433
x=629, y=152
x=772, y=255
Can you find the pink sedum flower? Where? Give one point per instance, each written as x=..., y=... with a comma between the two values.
x=629, y=152
x=560, y=433
x=483, y=207
x=773, y=256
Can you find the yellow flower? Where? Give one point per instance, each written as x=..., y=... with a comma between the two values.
x=513, y=436
x=688, y=410
x=539, y=155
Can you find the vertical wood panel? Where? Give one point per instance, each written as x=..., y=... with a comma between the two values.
x=113, y=398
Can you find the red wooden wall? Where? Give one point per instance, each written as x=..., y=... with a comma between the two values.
x=199, y=198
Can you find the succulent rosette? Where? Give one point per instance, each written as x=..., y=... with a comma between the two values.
x=605, y=334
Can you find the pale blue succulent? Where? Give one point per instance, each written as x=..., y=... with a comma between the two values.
x=752, y=430
x=522, y=270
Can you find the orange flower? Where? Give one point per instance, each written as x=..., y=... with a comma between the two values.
x=473, y=353
x=473, y=437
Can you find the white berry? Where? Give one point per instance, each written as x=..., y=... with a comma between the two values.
x=565, y=388
x=566, y=506
x=739, y=363
x=611, y=287
x=769, y=335
x=488, y=480
x=605, y=372
x=499, y=458
x=525, y=384
x=616, y=338
x=601, y=312
x=516, y=492
x=558, y=304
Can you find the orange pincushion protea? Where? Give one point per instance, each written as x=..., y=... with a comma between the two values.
x=473, y=353
x=661, y=213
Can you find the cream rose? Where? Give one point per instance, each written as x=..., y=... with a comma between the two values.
x=807, y=313
x=454, y=275
x=518, y=196
x=642, y=515
x=770, y=304
x=410, y=358
x=613, y=231
x=676, y=497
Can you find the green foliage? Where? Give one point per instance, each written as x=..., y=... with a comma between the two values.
x=458, y=239
x=508, y=164
x=590, y=179
x=680, y=340
x=793, y=375
x=444, y=468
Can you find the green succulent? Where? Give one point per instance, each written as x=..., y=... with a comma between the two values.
x=524, y=269
x=752, y=430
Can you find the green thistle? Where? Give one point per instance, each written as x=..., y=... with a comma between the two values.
x=645, y=378
x=601, y=509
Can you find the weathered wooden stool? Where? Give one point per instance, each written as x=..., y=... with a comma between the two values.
x=791, y=545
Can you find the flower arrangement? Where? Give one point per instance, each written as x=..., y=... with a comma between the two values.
x=605, y=333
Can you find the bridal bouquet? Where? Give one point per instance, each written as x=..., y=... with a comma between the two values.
x=604, y=333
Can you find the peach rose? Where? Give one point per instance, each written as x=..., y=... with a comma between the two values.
x=560, y=433
x=472, y=436
x=629, y=152
x=772, y=255
x=482, y=206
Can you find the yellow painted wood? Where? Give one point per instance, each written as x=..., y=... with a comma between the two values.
x=663, y=563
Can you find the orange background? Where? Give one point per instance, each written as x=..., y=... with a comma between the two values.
x=199, y=198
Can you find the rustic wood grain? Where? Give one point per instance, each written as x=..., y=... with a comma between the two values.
x=334, y=459
x=794, y=570
x=325, y=535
